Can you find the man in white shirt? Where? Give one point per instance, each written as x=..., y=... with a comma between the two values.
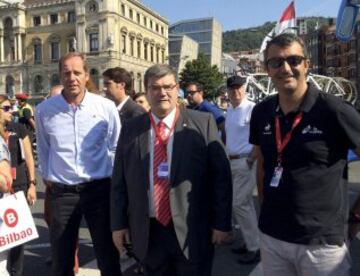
x=242, y=158
x=77, y=135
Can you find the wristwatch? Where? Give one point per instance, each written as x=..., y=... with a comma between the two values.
x=32, y=182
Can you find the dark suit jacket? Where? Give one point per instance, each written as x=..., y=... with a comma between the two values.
x=130, y=110
x=200, y=179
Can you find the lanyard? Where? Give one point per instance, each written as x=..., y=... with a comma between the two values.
x=157, y=130
x=281, y=144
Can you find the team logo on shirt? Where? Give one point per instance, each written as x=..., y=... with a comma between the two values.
x=267, y=129
x=311, y=130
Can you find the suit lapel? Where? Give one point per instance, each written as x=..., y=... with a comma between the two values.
x=178, y=148
x=143, y=142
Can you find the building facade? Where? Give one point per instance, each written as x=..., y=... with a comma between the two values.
x=181, y=50
x=34, y=34
x=207, y=32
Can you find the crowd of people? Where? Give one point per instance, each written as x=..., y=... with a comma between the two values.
x=172, y=176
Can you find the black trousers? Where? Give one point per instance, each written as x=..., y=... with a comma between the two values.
x=68, y=205
x=165, y=257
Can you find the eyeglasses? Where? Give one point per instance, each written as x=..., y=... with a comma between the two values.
x=167, y=88
x=6, y=108
x=277, y=62
x=191, y=92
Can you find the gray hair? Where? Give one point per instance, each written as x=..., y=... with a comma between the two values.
x=158, y=71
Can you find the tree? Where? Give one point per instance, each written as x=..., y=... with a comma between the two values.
x=201, y=71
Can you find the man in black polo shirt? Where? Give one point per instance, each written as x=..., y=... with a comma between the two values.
x=302, y=137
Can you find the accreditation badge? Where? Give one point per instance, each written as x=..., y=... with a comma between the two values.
x=275, y=180
x=163, y=170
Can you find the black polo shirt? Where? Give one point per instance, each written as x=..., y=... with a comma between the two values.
x=310, y=204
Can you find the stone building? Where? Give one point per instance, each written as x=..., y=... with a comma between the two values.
x=34, y=34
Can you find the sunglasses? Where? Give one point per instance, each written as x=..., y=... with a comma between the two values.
x=6, y=108
x=191, y=92
x=277, y=62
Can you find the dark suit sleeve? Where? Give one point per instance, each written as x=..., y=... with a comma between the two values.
x=220, y=179
x=119, y=197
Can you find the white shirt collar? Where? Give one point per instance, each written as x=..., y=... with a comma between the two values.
x=168, y=120
x=120, y=106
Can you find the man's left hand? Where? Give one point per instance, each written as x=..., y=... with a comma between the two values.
x=31, y=195
x=220, y=237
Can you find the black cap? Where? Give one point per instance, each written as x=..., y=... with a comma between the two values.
x=235, y=80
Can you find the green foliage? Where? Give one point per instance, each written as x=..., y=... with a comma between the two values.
x=251, y=38
x=200, y=70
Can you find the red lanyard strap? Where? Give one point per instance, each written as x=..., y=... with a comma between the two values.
x=157, y=130
x=281, y=144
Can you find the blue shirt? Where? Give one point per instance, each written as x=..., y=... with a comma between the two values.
x=76, y=143
x=213, y=109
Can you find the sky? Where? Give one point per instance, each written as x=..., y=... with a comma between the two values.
x=240, y=14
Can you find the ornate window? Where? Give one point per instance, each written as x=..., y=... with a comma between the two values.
x=38, y=84
x=55, y=80
x=54, y=47
x=37, y=50
x=92, y=7
x=54, y=18
x=71, y=17
x=94, y=42
x=36, y=20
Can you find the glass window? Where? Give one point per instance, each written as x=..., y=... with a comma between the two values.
x=55, y=50
x=71, y=17
x=94, y=42
x=122, y=9
x=123, y=43
x=132, y=40
x=145, y=21
x=138, y=18
x=139, y=49
x=146, y=45
x=131, y=13
x=37, y=52
x=54, y=18
x=151, y=24
x=37, y=20
x=152, y=53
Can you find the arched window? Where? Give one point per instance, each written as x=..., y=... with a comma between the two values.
x=37, y=50
x=9, y=44
x=38, y=84
x=10, y=87
x=55, y=80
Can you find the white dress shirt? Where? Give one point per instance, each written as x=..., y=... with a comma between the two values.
x=168, y=121
x=76, y=143
x=237, y=128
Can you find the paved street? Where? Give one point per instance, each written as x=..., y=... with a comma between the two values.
x=225, y=262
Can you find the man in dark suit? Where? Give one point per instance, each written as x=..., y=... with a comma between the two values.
x=171, y=187
x=117, y=87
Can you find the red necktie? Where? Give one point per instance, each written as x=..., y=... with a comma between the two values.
x=161, y=184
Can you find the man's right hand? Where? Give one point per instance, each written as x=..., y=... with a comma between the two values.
x=119, y=238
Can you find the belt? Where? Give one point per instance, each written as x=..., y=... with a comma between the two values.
x=238, y=156
x=78, y=187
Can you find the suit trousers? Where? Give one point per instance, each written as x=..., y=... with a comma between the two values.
x=280, y=258
x=244, y=213
x=165, y=257
x=68, y=205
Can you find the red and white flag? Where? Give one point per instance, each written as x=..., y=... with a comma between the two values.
x=286, y=23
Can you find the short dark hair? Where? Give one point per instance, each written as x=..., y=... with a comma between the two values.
x=138, y=95
x=71, y=55
x=159, y=71
x=284, y=40
x=118, y=74
x=199, y=86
